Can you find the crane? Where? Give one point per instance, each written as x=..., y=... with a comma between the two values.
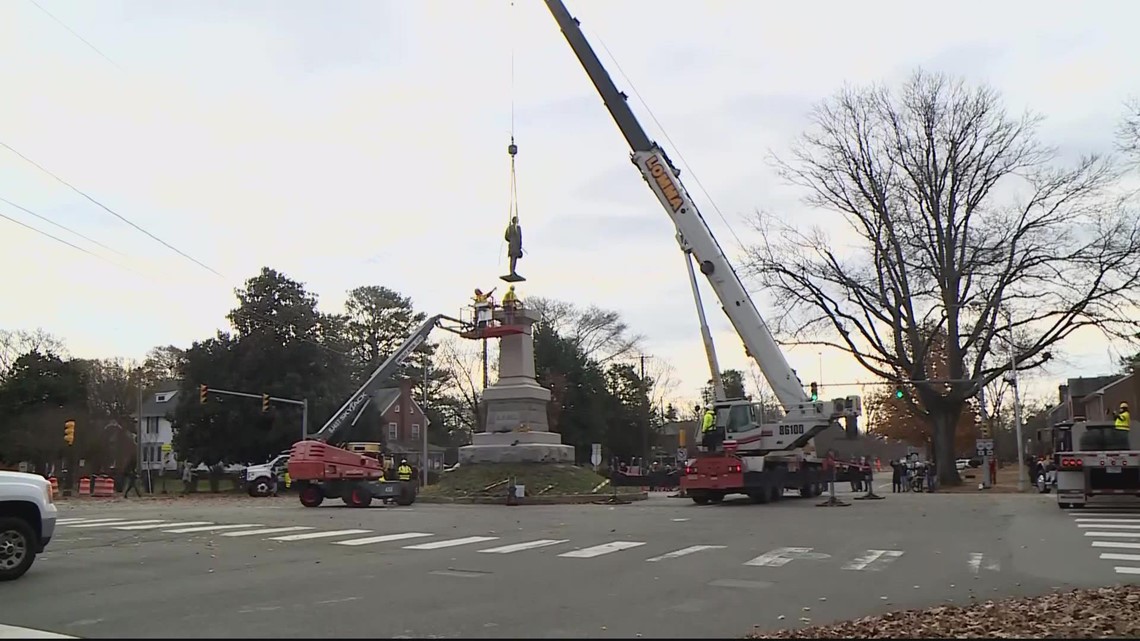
x=759, y=459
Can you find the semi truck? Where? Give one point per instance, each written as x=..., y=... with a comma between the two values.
x=759, y=457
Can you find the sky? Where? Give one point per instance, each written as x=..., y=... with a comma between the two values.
x=358, y=143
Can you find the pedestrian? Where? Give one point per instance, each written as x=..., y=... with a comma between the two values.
x=404, y=472
x=896, y=476
x=132, y=477
x=187, y=477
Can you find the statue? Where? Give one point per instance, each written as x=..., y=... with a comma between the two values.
x=513, y=236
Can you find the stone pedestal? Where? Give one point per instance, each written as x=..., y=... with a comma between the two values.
x=516, y=427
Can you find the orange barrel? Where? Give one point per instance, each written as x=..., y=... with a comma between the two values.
x=54, y=485
x=84, y=485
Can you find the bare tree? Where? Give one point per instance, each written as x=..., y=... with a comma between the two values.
x=959, y=224
x=16, y=343
x=663, y=375
x=1129, y=133
x=464, y=359
x=601, y=334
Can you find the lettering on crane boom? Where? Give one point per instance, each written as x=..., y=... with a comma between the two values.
x=664, y=179
x=354, y=404
x=791, y=430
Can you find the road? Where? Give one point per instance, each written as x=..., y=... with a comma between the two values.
x=658, y=568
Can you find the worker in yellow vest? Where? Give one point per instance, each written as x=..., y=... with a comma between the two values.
x=1123, y=419
x=710, y=435
x=404, y=472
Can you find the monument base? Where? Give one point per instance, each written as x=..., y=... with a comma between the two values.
x=516, y=447
x=512, y=278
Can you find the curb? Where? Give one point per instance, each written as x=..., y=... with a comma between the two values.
x=568, y=499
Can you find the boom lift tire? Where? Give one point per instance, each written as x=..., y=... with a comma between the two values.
x=311, y=496
x=407, y=495
x=360, y=496
x=700, y=498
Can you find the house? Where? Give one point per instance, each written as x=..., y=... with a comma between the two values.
x=1100, y=404
x=156, y=449
x=403, y=423
x=1074, y=392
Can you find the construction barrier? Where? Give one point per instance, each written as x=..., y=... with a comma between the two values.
x=54, y=485
x=104, y=486
x=84, y=486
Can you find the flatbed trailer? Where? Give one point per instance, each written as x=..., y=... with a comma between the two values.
x=1088, y=472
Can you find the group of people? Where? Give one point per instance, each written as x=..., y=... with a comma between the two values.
x=485, y=305
x=913, y=476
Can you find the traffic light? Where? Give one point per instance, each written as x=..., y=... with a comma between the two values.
x=814, y=392
x=899, y=394
x=69, y=432
x=264, y=403
x=202, y=391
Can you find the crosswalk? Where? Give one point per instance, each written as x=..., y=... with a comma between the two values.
x=1115, y=534
x=415, y=542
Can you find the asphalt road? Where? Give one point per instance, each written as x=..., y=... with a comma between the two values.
x=659, y=568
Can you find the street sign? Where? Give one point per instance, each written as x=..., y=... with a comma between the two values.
x=682, y=455
x=596, y=454
x=167, y=447
x=984, y=446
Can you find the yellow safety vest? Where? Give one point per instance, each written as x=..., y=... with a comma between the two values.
x=709, y=422
x=404, y=472
x=1123, y=421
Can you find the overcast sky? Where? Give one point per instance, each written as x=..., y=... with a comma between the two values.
x=356, y=143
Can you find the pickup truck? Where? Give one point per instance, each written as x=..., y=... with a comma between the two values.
x=27, y=521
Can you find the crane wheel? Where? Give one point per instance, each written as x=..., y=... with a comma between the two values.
x=760, y=496
x=407, y=496
x=700, y=498
x=311, y=496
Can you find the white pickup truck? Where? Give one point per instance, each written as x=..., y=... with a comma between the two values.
x=27, y=521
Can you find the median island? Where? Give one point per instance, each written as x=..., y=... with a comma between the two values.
x=541, y=483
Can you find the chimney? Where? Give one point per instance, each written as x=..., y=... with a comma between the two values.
x=405, y=410
x=1062, y=394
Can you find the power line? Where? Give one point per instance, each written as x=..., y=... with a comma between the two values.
x=111, y=211
x=76, y=34
x=68, y=229
x=55, y=238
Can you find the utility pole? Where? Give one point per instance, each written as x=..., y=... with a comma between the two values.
x=645, y=433
x=424, y=430
x=1016, y=407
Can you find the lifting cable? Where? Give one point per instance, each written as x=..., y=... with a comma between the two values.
x=512, y=148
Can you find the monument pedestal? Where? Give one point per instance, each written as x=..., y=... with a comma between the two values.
x=517, y=430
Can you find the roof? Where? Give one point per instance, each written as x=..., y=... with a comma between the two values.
x=1081, y=387
x=674, y=427
x=151, y=407
x=1104, y=390
x=401, y=448
x=385, y=397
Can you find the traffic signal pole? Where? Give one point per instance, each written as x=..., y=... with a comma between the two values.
x=266, y=399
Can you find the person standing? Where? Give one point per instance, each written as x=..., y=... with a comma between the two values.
x=896, y=476
x=132, y=479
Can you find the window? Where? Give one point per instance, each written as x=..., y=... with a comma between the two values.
x=152, y=425
x=393, y=432
x=415, y=430
x=397, y=408
x=160, y=398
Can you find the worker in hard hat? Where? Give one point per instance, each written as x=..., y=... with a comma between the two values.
x=1123, y=419
x=710, y=435
x=510, y=299
x=483, y=306
x=404, y=472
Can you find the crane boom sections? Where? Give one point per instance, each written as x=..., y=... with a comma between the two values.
x=694, y=233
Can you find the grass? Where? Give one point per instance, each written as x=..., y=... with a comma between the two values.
x=540, y=479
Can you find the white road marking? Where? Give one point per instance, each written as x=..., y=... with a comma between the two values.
x=210, y=528
x=679, y=520
x=1122, y=526
x=598, y=550
x=1126, y=570
x=976, y=563
x=316, y=535
x=874, y=560
x=383, y=538
x=529, y=545
x=780, y=557
x=344, y=600
x=450, y=543
x=156, y=526
x=114, y=523
x=1130, y=535
x=78, y=520
x=271, y=530
x=1116, y=544
x=1108, y=556
x=692, y=549
x=1082, y=513
x=1107, y=520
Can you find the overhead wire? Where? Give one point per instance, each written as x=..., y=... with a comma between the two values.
x=67, y=229
x=76, y=34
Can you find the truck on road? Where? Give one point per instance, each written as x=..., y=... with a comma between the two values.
x=1090, y=469
x=27, y=521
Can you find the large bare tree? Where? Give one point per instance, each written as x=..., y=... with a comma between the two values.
x=1129, y=133
x=601, y=334
x=959, y=223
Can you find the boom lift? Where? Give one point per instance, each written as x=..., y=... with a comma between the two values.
x=758, y=459
x=356, y=474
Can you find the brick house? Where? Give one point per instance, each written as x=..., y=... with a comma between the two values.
x=402, y=423
x=1076, y=395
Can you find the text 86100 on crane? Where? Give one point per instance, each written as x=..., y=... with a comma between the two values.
x=758, y=459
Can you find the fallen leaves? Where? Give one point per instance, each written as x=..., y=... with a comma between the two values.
x=1099, y=613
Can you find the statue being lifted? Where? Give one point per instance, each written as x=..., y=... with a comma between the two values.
x=513, y=235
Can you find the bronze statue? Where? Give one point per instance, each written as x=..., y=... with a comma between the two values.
x=513, y=236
